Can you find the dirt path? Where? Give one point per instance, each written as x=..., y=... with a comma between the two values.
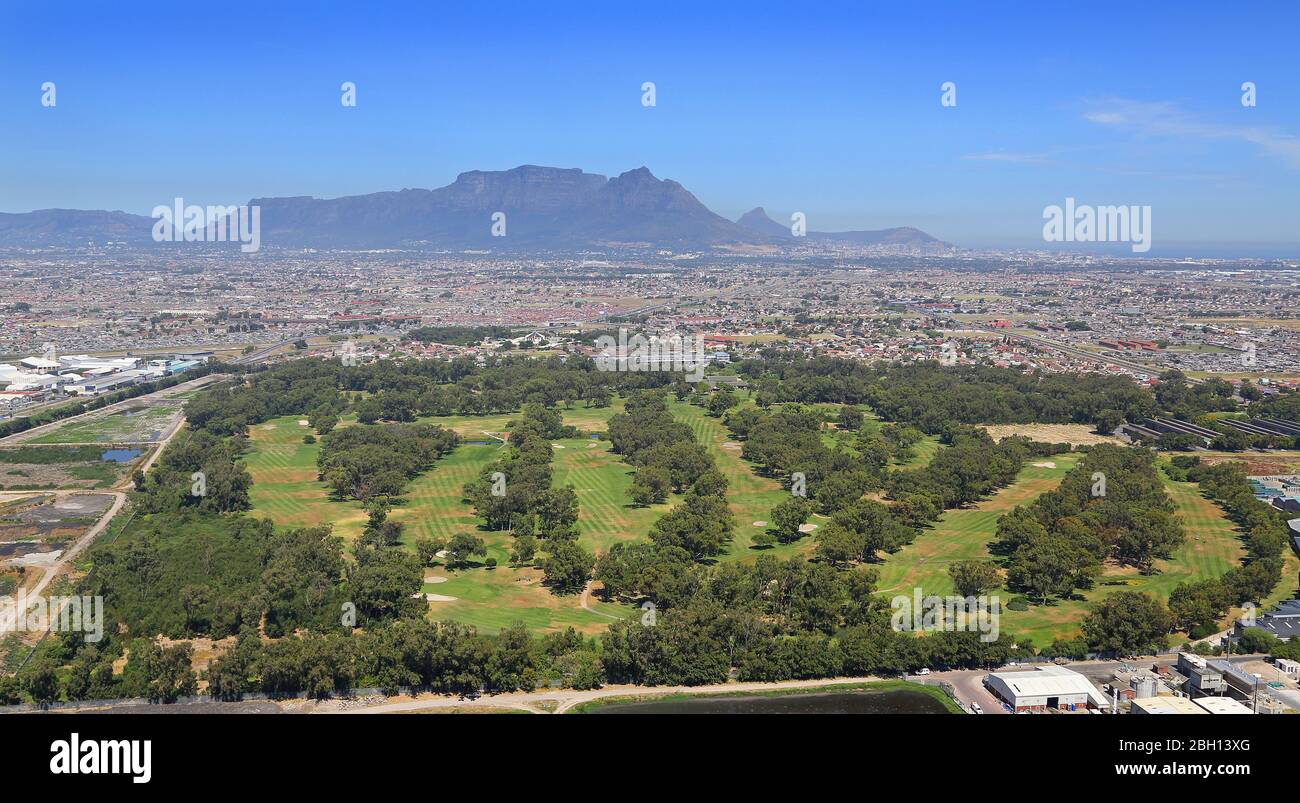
x=565, y=699
x=153, y=458
x=585, y=602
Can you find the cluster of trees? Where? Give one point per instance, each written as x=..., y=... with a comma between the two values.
x=198, y=470
x=1185, y=401
x=402, y=390
x=444, y=657
x=770, y=620
x=932, y=396
x=364, y=462
x=515, y=493
x=1284, y=405
x=1199, y=606
x=161, y=674
x=663, y=450
x=1111, y=505
x=788, y=440
x=971, y=467
x=457, y=335
x=668, y=459
x=299, y=387
x=1128, y=623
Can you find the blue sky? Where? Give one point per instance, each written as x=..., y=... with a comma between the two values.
x=829, y=109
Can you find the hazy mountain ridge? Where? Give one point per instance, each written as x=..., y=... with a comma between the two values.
x=544, y=207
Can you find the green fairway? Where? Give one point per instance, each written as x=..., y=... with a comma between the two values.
x=965, y=534
x=750, y=496
x=286, y=489
x=1212, y=547
x=601, y=478
x=922, y=452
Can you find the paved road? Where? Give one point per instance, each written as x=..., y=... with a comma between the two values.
x=968, y=687
x=1078, y=352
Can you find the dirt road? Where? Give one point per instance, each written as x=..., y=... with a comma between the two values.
x=559, y=701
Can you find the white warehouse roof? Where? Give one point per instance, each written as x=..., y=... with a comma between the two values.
x=1049, y=681
x=1221, y=705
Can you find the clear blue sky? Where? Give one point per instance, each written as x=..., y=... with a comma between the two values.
x=829, y=109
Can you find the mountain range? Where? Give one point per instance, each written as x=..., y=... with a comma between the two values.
x=544, y=207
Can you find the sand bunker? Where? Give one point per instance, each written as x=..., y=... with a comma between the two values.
x=433, y=579
x=760, y=524
x=1046, y=464
x=807, y=528
x=731, y=445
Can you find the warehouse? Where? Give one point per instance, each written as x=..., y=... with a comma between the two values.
x=1045, y=688
x=1166, y=705
x=1221, y=705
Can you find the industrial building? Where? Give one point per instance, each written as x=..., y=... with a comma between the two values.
x=1045, y=688
x=1202, y=679
x=1165, y=705
x=1222, y=705
x=1283, y=621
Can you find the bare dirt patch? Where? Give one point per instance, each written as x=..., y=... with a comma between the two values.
x=1074, y=434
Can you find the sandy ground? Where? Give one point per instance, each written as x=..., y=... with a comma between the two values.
x=1075, y=434
x=559, y=701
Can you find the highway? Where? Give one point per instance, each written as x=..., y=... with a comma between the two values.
x=1043, y=342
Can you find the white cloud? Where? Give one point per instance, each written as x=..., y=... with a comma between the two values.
x=1164, y=119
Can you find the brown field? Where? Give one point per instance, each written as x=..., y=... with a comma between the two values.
x=1075, y=434
x=1281, y=462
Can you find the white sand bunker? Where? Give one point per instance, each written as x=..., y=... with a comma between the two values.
x=268, y=426
x=441, y=553
x=730, y=445
x=433, y=579
x=592, y=445
x=807, y=528
x=556, y=446
x=435, y=597
x=760, y=524
x=302, y=422
x=1046, y=464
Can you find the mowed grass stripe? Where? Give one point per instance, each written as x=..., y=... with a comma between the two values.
x=750, y=497
x=965, y=534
